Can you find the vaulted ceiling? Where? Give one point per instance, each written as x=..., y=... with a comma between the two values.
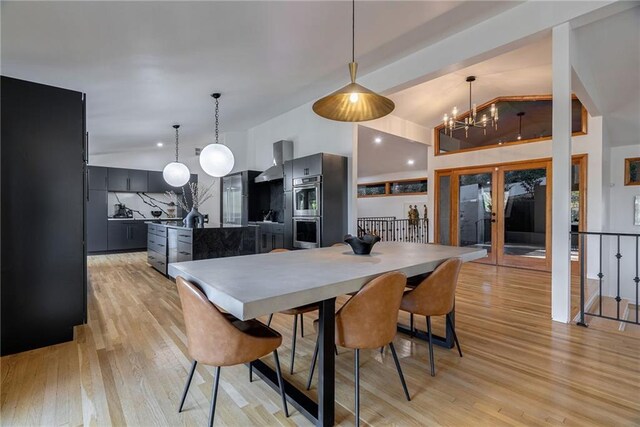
x=147, y=65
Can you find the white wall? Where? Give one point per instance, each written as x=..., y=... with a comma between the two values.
x=620, y=211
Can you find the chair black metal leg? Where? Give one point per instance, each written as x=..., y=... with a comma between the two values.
x=250, y=372
x=313, y=364
x=431, y=362
x=281, y=383
x=453, y=332
x=186, y=387
x=301, y=326
x=293, y=343
x=381, y=349
x=357, y=385
x=214, y=396
x=395, y=359
x=411, y=325
x=270, y=319
x=335, y=348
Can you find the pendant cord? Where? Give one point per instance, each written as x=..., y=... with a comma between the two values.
x=470, y=109
x=217, y=119
x=353, y=31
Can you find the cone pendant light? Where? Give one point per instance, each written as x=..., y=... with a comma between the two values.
x=353, y=103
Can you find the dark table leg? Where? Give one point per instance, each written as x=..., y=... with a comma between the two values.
x=322, y=413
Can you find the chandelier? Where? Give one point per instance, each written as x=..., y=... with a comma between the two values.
x=176, y=174
x=453, y=122
x=216, y=159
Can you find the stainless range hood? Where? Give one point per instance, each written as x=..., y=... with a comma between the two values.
x=282, y=151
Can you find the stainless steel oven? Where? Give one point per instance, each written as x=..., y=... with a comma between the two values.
x=306, y=232
x=306, y=196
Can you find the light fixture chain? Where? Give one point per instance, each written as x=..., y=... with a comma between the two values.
x=176, y=145
x=217, y=119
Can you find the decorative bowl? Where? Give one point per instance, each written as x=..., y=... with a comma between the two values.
x=361, y=246
x=156, y=214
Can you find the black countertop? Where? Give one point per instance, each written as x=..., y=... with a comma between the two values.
x=178, y=224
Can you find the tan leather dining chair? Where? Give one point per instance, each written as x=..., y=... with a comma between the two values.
x=219, y=339
x=295, y=312
x=369, y=320
x=435, y=296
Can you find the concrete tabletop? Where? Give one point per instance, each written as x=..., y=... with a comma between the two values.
x=256, y=285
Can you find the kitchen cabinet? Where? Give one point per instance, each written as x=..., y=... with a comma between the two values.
x=270, y=237
x=97, y=220
x=307, y=166
x=288, y=219
x=43, y=194
x=287, y=176
x=157, y=247
x=118, y=179
x=157, y=184
x=97, y=178
x=138, y=180
x=127, y=180
x=126, y=235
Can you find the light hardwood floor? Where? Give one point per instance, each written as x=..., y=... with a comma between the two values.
x=129, y=363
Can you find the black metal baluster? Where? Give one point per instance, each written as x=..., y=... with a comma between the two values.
x=582, y=274
x=600, y=276
x=618, y=256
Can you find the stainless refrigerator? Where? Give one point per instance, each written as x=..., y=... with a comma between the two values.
x=237, y=204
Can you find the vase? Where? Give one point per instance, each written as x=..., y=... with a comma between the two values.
x=194, y=219
x=361, y=246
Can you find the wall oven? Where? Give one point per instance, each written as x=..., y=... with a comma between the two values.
x=306, y=196
x=306, y=232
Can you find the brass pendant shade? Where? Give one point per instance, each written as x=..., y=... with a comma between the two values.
x=353, y=103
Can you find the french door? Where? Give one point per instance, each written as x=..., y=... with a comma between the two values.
x=504, y=209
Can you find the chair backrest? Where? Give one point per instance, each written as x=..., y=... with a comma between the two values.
x=211, y=337
x=435, y=295
x=273, y=251
x=370, y=318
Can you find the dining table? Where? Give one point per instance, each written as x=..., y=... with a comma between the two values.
x=251, y=286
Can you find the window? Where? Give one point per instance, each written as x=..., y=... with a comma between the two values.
x=521, y=119
x=393, y=188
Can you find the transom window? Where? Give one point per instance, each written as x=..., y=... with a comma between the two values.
x=521, y=119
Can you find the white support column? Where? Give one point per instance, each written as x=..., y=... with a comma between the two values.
x=561, y=176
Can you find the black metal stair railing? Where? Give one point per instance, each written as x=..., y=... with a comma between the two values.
x=391, y=229
x=616, y=239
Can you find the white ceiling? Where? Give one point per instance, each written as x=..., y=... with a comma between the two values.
x=525, y=71
x=390, y=155
x=147, y=65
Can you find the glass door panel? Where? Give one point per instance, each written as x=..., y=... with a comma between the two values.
x=476, y=217
x=524, y=217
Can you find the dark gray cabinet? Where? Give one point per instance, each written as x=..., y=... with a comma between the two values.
x=127, y=180
x=118, y=179
x=270, y=237
x=138, y=180
x=157, y=184
x=97, y=220
x=288, y=219
x=307, y=166
x=97, y=178
x=126, y=235
x=157, y=247
x=43, y=196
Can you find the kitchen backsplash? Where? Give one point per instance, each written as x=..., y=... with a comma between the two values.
x=141, y=204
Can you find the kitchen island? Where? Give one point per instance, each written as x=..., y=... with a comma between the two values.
x=169, y=242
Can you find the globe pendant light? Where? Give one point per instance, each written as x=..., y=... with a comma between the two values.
x=353, y=103
x=216, y=159
x=176, y=174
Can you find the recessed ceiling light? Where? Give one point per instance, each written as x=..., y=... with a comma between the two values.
x=159, y=144
x=410, y=162
x=377, y=140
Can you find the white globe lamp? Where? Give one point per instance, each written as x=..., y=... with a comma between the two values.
x=176, y=174
x=216, y=159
